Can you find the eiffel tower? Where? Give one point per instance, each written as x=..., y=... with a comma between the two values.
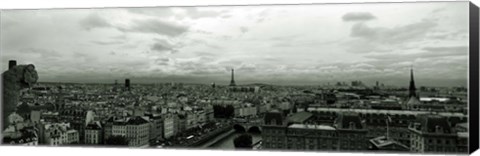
x=232, y=82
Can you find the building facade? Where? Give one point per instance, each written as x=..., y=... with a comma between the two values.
x=352, y=132
x=56, y=134
x=93, y=134
x=433, y=134
x=311, y=137
x=138, y=129
x=168, y=126
x=135, y=129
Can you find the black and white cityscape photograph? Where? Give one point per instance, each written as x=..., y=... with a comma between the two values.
x=389, y=77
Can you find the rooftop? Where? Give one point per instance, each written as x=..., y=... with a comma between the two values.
x=462, y=134
x=306, y=126
x=136, y=121
x=434, y=99
x=300, y=117
x=344, y=120
x=433, y=124
x=382, y=141
x=400, y=112
x=94, y=126
x=274, y=117
x=463, y=125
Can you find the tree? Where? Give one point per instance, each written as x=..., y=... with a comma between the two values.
x=117, y=141
x=243, y=141
x=223, y=112
x=218, y=111
x=229, y=111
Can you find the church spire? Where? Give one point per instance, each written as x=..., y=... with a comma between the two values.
x=412, y=89
x=232, y=82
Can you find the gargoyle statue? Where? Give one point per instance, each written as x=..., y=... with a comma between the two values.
x=13, y=81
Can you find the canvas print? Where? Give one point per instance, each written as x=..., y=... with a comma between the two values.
x=390, y=77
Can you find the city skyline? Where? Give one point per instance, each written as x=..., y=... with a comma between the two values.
x=342, y=83
x=267, y=44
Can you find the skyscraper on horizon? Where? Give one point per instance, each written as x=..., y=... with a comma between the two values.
x=127, y=84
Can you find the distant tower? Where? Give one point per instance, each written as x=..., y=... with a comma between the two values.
x=127, y=84
x=115, y=86
x=11, y=64
x=60, y=101
x=232, y=82
x=412, y=90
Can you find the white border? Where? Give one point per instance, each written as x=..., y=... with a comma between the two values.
x=37, y=4
x=44, y=4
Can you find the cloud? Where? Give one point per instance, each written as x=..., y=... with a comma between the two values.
x=362, y=65
x=432, y=52
x=194, y=13
x=163, y=46
x=157, y=12
x=243, y=29
x=247, y=68
x=93, y=21
x=438, y=10
x=226, y=16
x=107, y=42
x=43, y=53
x=86, y=57
x=195, y=64
x=367, y=39
x=423, y=53
x=392, y=35
x=189, y=12
x=210, y=40
x=262, y=16
x=453, y=49
x=162, y=61
x=427, y=57
x=154, y=26
x=358, y=16
x=157, y=27
x=205, y=54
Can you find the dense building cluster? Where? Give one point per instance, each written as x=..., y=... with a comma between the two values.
x=354, y=117
x=377, y=119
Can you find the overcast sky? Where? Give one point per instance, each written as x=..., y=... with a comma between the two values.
x=285, y=44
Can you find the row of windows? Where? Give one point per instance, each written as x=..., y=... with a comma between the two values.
x=273, y=131
x=119, y=131
x=320, y=143
x=313, y=147
x=320, y=133
x=439, y=141
x=440, y=149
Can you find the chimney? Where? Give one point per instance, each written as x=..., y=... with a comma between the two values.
x=11, y=64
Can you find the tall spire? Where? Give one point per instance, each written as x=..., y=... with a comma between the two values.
x=232, y=82
x=412, y=89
